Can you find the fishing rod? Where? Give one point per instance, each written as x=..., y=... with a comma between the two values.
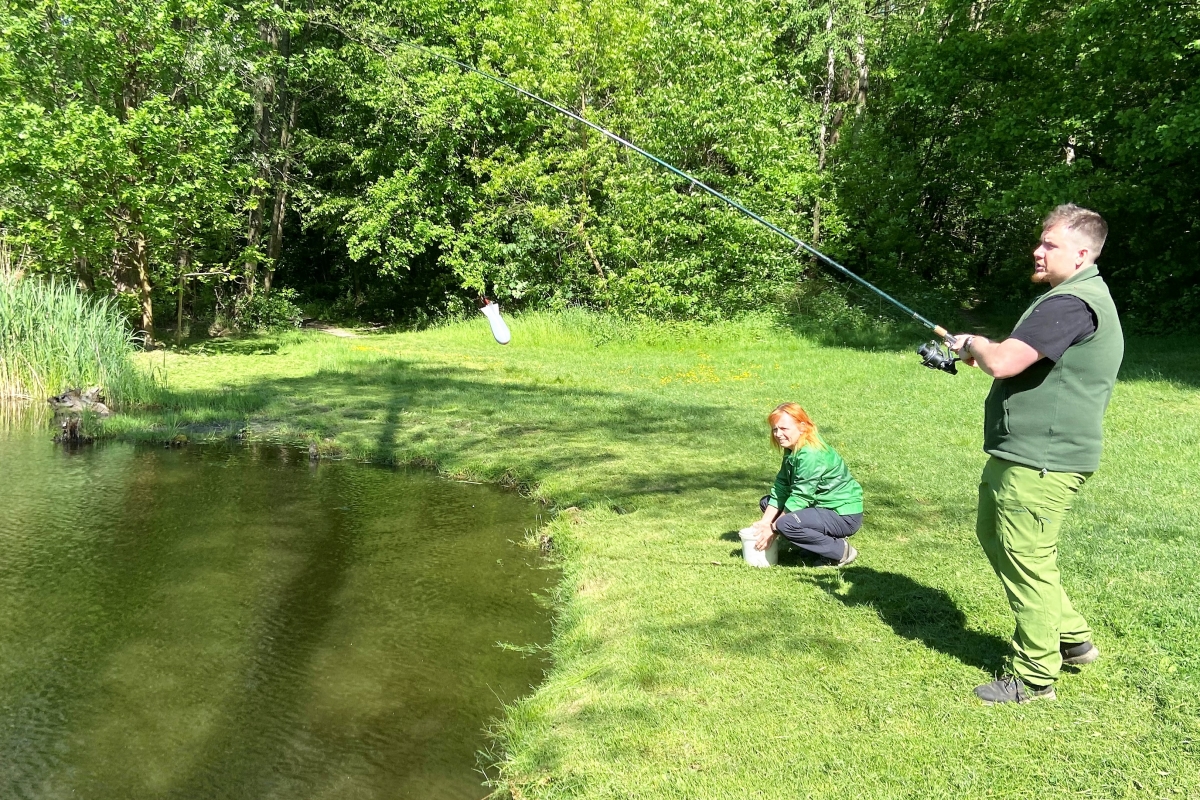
x=932, y=353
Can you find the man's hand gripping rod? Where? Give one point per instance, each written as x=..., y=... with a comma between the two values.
x=931, y=353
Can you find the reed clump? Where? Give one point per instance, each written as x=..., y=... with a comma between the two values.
x=54, y=337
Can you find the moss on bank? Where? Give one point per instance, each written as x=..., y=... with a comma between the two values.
x=678, y=671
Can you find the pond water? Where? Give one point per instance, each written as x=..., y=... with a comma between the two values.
x=233, y=622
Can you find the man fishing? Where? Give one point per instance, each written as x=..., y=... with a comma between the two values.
x=1054, y=376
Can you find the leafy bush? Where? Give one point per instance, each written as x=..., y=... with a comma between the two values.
x=267, y=311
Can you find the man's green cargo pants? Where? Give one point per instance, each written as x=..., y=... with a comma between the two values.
x=1021, y=512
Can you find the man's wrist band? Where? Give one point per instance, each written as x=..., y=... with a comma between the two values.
x=967, y=344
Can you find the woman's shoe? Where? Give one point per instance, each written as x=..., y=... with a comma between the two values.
x=849, y=556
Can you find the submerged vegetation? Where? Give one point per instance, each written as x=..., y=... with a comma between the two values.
x=54, y=337
x=678, y=671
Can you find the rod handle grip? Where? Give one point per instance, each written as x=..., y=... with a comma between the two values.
x=943, y=333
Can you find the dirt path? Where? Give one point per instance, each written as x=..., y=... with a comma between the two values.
x=332, y=330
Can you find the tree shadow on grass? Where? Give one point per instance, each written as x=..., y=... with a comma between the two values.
x=396, y=411
x=1175, y=359
x=920, y=613
x=250, y=345
x=869, y=336
x=742, y=633
x=684, y=481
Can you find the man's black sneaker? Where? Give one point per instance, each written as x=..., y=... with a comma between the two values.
x=1011, y=689
x=1076, y=655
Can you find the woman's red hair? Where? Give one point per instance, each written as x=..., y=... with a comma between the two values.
x=809, y=434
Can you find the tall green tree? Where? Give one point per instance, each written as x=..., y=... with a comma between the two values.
x=421, y=169
x=993, y=112
x=118, y=136
x=141, y=141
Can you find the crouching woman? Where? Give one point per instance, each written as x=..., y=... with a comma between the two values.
x=815, y=503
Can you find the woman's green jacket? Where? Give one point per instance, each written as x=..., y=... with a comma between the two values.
x=816, y=476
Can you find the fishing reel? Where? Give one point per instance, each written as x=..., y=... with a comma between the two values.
x=936, y=355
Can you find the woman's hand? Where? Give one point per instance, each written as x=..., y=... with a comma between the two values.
x=765, y=535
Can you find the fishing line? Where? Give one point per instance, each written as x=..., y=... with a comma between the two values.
x=931, y=353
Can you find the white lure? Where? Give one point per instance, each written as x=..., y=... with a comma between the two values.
x=499, y=328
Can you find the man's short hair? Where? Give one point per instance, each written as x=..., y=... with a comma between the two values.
x=1087, y=224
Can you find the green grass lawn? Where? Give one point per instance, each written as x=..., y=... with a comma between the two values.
x=680, y=672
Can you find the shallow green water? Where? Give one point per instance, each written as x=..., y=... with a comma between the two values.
x=229, y=622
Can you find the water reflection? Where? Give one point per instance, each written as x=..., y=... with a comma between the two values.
x=23, y=415
x=235, y=622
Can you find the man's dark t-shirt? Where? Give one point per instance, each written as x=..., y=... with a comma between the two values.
x=1055, y=325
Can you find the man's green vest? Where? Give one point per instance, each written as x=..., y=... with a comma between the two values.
x=1050, y=416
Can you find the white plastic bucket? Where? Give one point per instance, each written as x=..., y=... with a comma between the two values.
x=758, y=558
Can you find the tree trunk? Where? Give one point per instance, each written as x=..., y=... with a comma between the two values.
x=264, y=97
x=828, y=96
x=860, y=61
x=8, y=268
x=823, y=133
x=127, y=99
x=141, y=263
x=83, y=274
x=185, y=263
x=275, y=243
x=587, y=245
x=128, y=220
x=978, y=14
x=585, y=206
x=253, y=235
